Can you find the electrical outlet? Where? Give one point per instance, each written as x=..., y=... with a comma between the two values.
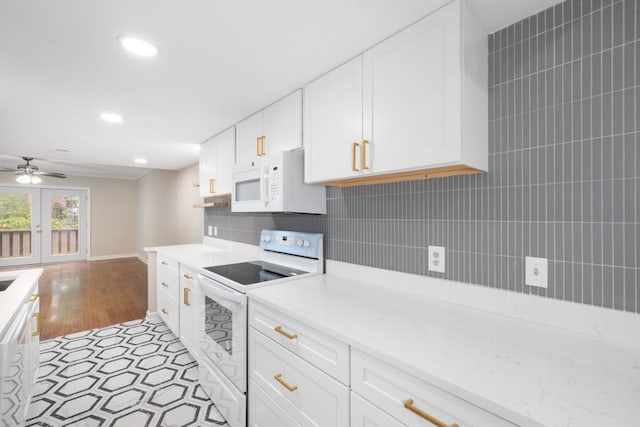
x=215, y=231
x=536, y=272
x=209, y=230
x=436, y=259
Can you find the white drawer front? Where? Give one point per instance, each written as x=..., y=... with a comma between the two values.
x=168, y=277
x=306, y=393
x=321, y=350
x=264, y=412
x=390, y=388
x=364, y=414
x=169, y=312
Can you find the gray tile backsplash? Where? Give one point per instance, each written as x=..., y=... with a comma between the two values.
x=564, y=179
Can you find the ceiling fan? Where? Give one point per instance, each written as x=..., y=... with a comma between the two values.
x=28, y=173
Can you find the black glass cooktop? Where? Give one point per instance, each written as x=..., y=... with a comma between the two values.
x=248, y=273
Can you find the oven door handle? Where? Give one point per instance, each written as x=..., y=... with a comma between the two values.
x=218, y=290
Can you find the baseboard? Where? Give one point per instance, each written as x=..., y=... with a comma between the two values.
x=152, y=315
x=106, y=257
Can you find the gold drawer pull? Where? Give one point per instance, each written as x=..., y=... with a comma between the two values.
x=37, y=331
x=185, y=296
x=165, y=263
x=212, y=186
x=419, y=412
x=33, y=298
x=289, y=387
x=188, y=276
x=363, y=155
x=354, y=147
x=165, y=284
x=164, y=310
x=281, y=331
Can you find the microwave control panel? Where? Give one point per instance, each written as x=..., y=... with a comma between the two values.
x=274, y=183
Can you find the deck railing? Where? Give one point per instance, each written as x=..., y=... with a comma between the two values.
x=17, y=243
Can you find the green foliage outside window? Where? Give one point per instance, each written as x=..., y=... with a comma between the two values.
x=15, y=212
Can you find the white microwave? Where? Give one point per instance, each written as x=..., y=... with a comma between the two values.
x=275, y=183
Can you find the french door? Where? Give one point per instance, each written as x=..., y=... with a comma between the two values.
x=42, y=225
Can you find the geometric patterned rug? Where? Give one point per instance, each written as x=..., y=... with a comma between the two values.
x=132, y=374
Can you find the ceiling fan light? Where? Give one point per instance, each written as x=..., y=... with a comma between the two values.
x=23, y=179
x=35, y=179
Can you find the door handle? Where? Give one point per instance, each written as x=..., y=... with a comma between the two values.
x=354, y=147
x=363, y=155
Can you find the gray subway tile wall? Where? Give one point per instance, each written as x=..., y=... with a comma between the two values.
x=564, y=178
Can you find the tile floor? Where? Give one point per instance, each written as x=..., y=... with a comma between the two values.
x=132, y=374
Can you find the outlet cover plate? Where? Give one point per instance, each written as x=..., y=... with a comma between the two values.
x=536, y=272
x=436, y=259
x=210, y=230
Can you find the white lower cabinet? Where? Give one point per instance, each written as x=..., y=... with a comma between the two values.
x=187, y=313
x=308, y=395
x=364, y=414
x=168, y=292
x=264, y=412
x=411, y=400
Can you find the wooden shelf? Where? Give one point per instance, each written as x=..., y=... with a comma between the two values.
x=211, y=205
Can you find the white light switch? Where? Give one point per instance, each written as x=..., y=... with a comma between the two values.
x=536, y=272
x=209, y=230
x=436, y=259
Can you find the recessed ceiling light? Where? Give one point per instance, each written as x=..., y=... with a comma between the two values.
x=137, y=46
x=141, y=161
x=111, y=117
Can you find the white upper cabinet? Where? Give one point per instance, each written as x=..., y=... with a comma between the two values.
x=216, y=164
x=422, y=110
x=276, y=128
x=333, y=124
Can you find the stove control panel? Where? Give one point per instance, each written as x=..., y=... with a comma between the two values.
x=292, y=242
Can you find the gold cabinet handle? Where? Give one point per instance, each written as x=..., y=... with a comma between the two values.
x=185, y=296
x=288, y=386
x=262, y=152
x=37, y=331
x=165, y=284
x=164, y=263
x=281, y=331
x=258, y=146
x=419, y=412
x=363, y=155
x=212, y=186
x=188, y=276
x=33, y=298
x=354, y=147
x=164, y=310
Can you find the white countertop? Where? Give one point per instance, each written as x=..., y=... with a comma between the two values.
x=15, y=295
x=201, y=255
x=529, y=373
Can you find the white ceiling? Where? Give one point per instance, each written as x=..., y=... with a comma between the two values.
x=218, y=62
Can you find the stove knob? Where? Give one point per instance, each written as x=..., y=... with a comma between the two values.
x=299, y=243
x=306, y=243
x=267, y=238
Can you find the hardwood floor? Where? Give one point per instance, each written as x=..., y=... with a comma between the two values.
x=78, y=296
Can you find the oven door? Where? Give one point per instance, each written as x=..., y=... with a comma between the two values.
x=222, y=330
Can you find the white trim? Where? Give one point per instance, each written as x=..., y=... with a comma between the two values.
x=116, y=256
x=152, y=315
x=143, y=259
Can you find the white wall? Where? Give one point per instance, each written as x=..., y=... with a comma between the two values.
x=166, y=215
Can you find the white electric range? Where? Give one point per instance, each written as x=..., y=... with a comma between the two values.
x=221, y=307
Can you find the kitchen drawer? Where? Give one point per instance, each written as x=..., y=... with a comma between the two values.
x=188, y=277
x=321, y=350
x=169, y=312
x=308, y=395
x=168, y=276
x=364, y=414
x=264, y=412
x=390, y=388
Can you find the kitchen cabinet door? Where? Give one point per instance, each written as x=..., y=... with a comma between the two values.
x=188, y=287
x=248, y=135
x=333, y=124
x=411, y=96
x=33, y=344
x=216, y=162
x=282, y=124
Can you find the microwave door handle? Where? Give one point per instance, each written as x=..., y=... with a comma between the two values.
x=265, y=187
x=217, y=290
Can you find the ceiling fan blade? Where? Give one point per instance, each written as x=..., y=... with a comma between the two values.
x=52, y=174
x=6, y=170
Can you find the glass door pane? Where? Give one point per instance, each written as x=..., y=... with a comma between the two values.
x=19, y=226
x=63, y=225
